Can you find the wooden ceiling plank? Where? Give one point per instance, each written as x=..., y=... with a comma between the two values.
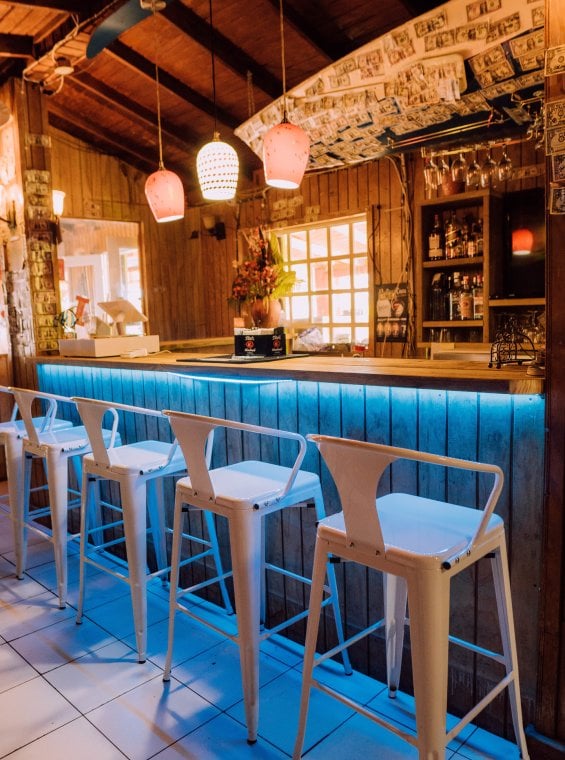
x=16, y=46
x=109, y=96
x=191, y=24
x=65, y=6
x=338, y=47
x=171, y=83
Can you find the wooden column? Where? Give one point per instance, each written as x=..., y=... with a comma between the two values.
x=550, y=717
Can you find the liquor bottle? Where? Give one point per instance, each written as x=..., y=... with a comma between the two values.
x=452, y=237
x=435, y=240
x=437, y=297
x=454, y=297
x=466, y=299
x=479, y=237
x=472, y=239
x=478, y=299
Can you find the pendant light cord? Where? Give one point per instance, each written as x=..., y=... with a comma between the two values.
x=283, y=64
x=212, y=51
x=160, y=139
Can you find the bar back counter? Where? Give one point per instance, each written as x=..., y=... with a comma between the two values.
x=461, y=409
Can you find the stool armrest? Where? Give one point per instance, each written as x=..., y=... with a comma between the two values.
x=24, y=401
x=206, y=426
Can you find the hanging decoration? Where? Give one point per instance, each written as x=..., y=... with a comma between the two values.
x=163, y=188
x=217, y=163
x=286, y=147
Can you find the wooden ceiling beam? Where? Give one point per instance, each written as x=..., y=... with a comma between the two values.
x=85, y=9
x=335, y=48
x=180, y=89
x=16, y=46
x=191, y=24
x=108, y=96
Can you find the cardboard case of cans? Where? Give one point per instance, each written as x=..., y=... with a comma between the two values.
x=262, y=341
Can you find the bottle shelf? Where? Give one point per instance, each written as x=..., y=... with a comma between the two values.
x=468, y=261
x=453, y=323
x=509, y=303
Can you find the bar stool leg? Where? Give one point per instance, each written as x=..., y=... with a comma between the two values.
x=13, y=448
x=501, y=579
x=395, y=593
x=88, y=487
x=428, y=605
x=174, y=582
x=316, y=598
x=245, y=541
x=212, y=535
x=134, y=506
x=156, y=512
x=332, y=583
x=58, y=481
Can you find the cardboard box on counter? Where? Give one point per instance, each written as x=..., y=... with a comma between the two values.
x=263, y=341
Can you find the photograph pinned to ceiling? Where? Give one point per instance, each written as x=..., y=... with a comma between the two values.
x=557, y=200
x=392, y=313
x=558, y=167
x=555, y=113
x=555, y=60
x=555, y=141
x=527, y=43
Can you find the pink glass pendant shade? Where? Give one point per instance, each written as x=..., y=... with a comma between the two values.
x=286, y=148
x=165, y=195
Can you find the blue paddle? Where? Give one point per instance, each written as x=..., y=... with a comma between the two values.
x=109, y=30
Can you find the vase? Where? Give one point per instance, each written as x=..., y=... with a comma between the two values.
x=266, y=312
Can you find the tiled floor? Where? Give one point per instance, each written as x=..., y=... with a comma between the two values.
x=69, y=691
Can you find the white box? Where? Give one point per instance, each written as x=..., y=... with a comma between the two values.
x=120, y=344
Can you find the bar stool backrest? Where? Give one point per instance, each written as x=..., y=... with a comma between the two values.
x=357, y=468
x=93, y=412
x=25, y=399
x=193, y=433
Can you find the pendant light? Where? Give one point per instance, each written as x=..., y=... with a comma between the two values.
x=163, y=188
x=217, y=164
x=286, y=147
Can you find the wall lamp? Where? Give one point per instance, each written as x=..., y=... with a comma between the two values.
x=213, y=227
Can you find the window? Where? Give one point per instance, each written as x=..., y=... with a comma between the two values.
x=332, y=269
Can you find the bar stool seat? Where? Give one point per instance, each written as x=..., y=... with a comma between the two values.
x=139, y=469
x=12, y=433
x=57, y=448
x=244, y=493
x=419, y=544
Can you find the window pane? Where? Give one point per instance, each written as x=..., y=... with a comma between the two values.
x=361, y=336
x=341, y=275
x=341, y=334
x=299, y=308
x=318, y=243
x=321, y=308
x=361, y=300
x=297, y=246
x=360, y=272
x=301, y=285
x=359, y=231
x=319, y=276
x=339, y=240
x=341, y=307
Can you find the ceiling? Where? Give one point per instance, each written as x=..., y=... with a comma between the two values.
x=110, y=100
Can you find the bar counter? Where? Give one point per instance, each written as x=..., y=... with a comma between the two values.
x=413, y=373
x=462, y=409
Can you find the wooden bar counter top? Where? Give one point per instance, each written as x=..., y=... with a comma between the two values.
x=413, y=373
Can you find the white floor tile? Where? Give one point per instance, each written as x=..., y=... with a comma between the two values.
x=482, y=745
x=117, y=617
x=215, y=674
x=61, y=643
x=150, y=717
x=14, y=669
x=101, y=676
x=78, y=739
x=220, y=739
x=30, y=615
x=14, y=590
x=7, y=568
x=30, y=710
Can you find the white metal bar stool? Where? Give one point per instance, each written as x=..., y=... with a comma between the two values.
x=419, y=544
x=244, y=493
x=56, y=447
x=12, y=433
x=139, y=470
